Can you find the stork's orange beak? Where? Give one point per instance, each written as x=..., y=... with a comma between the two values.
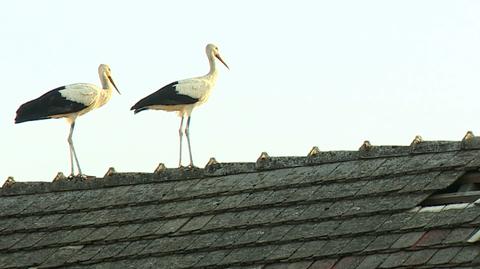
x=221, y=60
x=113, y=83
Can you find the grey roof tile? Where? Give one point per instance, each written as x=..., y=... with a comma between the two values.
x=350, y=262
x=327, y=210
x=395, y=259
x=301, y=194
x=148, y=228
x=293, y=265
x=444, y=179
x=458, y=235
x=15, y=205
x=171, y=226
x=7, y=241
x=123, y=231
x=436, y=146
x=334, y=247
x=283, y=251
x=268, y=216
x=396, y=221
x=366, y=168
x=333, y=157
x=110, y=250
x=25, y=259
x=232, y=201
x=323, y=264
x=294, y=213
x=134, y=248
x=228, y=219
x=278, y=196
x=99, y=234
x=281, y=177
x=463, y=158
x=391, y=166
x=205, y=240
x=250, y=236
x=358, y=244
x=61, y=256
x=275, y=233
x=338, y=190
x=369, y=205
x=248, y=254
x=255, y=199
x=372, y=261
x=213, y=258
x=440, y=159
x=168, y=244
x=419, y=220
x=383, y=242
x=432, y=237
x=360, y=225
x=310, y=230
x=443, y=256
x=29, y=240
x=448, y=218
x=22, y=224
x=407, y=240
x=420, y=257
x=385, y=185
x=309, y=249
x=195, y=223
x=227, y=238
x=52, y=238
x=85, y=254
x=418, y=182
x=318, y=173
x=345, y=169
x=466, y=254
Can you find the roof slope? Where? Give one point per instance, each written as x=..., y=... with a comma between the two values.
x=350, y=209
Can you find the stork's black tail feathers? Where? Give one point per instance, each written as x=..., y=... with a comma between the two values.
x=29, y=111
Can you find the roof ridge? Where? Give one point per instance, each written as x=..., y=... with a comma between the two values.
x=263, y=163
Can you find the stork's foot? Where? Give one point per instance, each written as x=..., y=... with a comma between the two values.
x=191, y=166
x=79, y=176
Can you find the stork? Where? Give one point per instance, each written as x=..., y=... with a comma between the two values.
x=69, y=102
x=183, y=96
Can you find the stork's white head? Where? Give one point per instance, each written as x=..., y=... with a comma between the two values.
x=104, y=71
x=212, y=51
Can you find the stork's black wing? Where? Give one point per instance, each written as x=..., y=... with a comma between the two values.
x=50, y=104
x=167, y=96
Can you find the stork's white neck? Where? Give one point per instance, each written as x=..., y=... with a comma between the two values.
x=106, y=84
x=213, y=67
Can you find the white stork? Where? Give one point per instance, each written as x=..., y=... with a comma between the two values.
x=183, y=96
x=69, y=102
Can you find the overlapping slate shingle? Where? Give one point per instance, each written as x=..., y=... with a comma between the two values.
x=341, y=209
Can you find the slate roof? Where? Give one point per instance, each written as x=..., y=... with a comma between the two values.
x=332, y=210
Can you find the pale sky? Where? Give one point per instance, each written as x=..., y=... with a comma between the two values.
x=303, y=73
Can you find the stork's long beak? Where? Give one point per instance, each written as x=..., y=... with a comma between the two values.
x=221, y=60
x=113, y=83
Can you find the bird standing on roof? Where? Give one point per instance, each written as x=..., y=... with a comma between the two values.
x=183, y=96
x=69, y=102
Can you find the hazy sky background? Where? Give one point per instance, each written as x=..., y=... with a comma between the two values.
x=303, y=73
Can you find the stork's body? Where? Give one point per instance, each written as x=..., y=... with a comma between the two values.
x=183, y=96
x=69, y=102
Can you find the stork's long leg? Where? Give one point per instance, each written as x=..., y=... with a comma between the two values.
x=180, y=135
x=187, y=132
x=72, y=150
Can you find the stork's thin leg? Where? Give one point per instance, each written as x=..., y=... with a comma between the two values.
x=72, y=172
x=187, y=132
x=72, y=149
x=180, y=135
